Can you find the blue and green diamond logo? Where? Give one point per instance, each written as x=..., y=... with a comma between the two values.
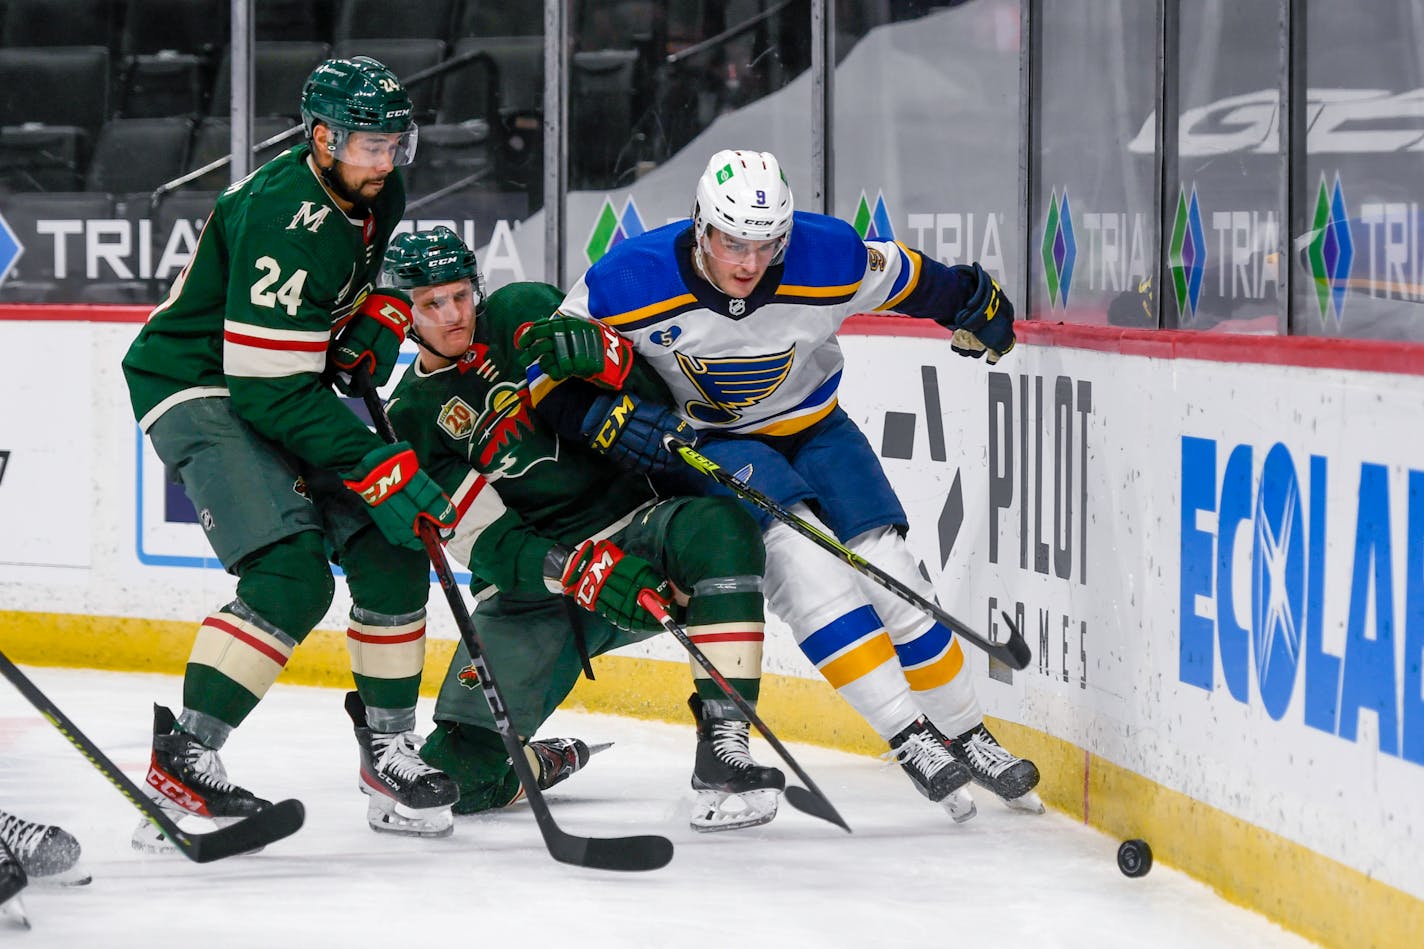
x=1186, y=254
x=873, y=223
x=1060, y=249
x=611, y=229
x=1331, y=250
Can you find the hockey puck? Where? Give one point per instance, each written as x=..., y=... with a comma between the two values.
x=1134, y=857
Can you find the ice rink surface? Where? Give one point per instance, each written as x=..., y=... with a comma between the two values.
x=907, y=876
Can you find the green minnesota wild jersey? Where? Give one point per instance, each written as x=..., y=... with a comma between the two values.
x=517, y=485
x=278, y=270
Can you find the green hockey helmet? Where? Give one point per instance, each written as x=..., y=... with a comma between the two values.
x=427, y=258
x=360, y=95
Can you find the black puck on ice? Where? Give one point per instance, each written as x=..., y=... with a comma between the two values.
x=1134, y=857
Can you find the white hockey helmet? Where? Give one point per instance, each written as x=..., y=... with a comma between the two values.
x=745, y=195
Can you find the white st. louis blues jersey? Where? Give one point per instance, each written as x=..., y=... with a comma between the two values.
x=768, y=365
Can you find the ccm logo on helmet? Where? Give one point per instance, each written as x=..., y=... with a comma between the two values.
x=761, y=223
x=442, y=261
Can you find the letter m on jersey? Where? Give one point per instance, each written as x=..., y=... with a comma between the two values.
x=309, y=217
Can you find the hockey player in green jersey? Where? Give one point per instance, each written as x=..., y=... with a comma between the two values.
x=227, y=379
x=560, y=541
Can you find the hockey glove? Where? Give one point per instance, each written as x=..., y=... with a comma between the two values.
x=985, y=324
x=400, y=495
x=602, y=579
x=372, y=339
x=568, y=347
x=630, y=432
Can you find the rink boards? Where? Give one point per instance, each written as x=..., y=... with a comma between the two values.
x=1214, y=545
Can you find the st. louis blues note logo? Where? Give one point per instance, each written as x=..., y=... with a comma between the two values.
x=733, y=383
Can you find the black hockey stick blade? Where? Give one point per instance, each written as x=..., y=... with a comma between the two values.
x=812, y=801
x=629, y=854
x=1013, y=652
x=618, y=853
x=268, y=825
x=251, y=833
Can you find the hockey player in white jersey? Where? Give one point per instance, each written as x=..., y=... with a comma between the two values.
x=738, y=313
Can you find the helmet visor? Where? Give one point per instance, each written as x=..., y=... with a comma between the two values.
x=374, y=149
x=737, y=250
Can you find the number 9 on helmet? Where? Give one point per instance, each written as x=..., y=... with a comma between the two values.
x=744, y=195
x=355, y=96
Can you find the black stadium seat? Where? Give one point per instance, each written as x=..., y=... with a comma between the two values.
x=501, y=18
x=184, y=26
x=55, y=85
x=214, y=140
x=279, y=69
x=139, y=154
x=518, y=61
x=166, y=83
x=42, y=157
x=414, y=19
x=59, y=23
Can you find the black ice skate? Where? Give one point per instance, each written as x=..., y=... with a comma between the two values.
x=48, y=854
x=406, y=795
x=922, y=751
x=733, y=790
x=12, y=881
x=1012, y=779
x=186, y=778
x=556, y=759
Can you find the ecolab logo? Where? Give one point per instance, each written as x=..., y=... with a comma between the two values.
x=1258, y=518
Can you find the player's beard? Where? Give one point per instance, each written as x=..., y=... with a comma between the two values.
x=360, y=207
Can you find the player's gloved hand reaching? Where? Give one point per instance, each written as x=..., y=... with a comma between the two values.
x=602, y=579
x=400, y=495
x=372, y=339
x=567, y=347
x=630, y=431
x=985, y=324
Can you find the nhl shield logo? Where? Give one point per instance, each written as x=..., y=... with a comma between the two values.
x=457, y=418
x=737, y=306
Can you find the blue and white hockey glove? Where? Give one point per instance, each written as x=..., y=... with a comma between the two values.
x=985, y=324
x=630, y=432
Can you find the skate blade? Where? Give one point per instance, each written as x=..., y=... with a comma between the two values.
x=1028, y=803
x=386, y=816
x=147, y=838
x=716, y=811
x=74, y=876
x=13, y=915
x=960, y=806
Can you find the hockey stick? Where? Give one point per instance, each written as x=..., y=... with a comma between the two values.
x=251, y=833
x=812, y=802
x=1013, y=652
x=646, y=852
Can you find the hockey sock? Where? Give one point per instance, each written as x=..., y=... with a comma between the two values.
x=836, y=627
x=476, y=760
x=930, y=656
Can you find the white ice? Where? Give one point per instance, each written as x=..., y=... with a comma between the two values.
x=907, y=876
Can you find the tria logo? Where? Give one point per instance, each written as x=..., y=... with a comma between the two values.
x=308, y=217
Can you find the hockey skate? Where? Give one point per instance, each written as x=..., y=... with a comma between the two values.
x=48, y=854
x=405, y=795
x=556, y=759
x=187, y=779
x=733, y=791
x=12, y=881
x=1010, y=778
x=922, y=751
